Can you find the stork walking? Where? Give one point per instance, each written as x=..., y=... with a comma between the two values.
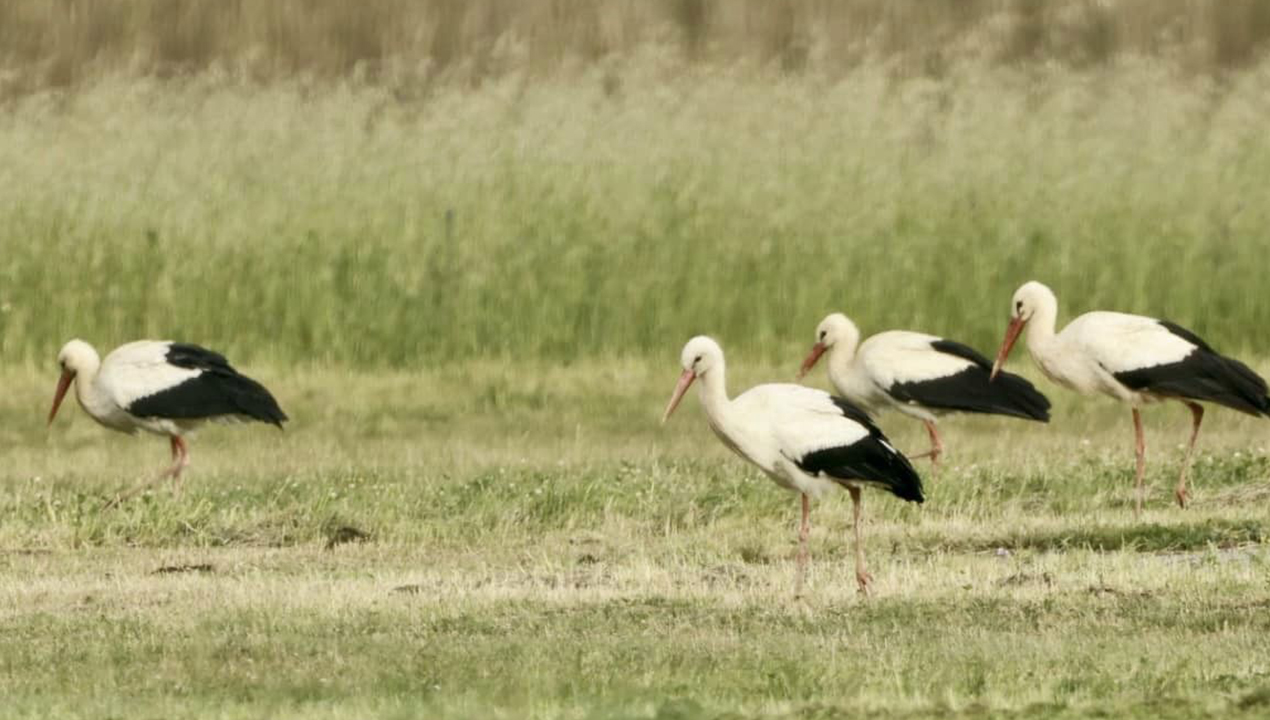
x=1133, y=359
x=803, y=439
x=922, y=376
x=161, y=387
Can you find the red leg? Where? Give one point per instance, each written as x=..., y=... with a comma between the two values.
x=936, y=447
x=1197, y=417
x=804, y=529
x=1140, y=448
x=180, y=459
x=862, y=576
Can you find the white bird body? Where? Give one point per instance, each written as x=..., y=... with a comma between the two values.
x=129, y=373
x=1088, y=353
x=889, y=358
x=774, y=425
x=1134, y=359
x=920, y=375
x=161, y=387
x=803, y=439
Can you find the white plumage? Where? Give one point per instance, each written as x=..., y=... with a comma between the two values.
x=161, y=387
x=1094, y=347
x=1134, y=359
x=920, y=375
x=129, y=373
x=803, y=439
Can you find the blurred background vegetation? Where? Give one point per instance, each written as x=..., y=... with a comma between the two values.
x=384, y=183
x=60, y=44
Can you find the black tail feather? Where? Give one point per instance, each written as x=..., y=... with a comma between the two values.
x=252, y=399
x=1019, y=398
x=219, y=390
x=1251, y=386
x=1206, y=376
x=872, y=461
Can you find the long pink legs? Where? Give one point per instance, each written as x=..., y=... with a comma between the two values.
x=804, y=529
x=862, y=576
x=1197, y=417
x=180, y=460
x=936, y=447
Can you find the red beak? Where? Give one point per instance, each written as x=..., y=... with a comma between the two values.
x=1011, y=335
x=816, y=351
x=63, y=384
x=680, y=388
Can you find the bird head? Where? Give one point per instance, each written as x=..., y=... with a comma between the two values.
x=1027, y=300
x=700, y=356
x=836, y=329
x=74, y=357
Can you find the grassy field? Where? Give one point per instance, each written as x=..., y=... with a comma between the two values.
x=315, y=225
x=464, y=242
x=540, y=547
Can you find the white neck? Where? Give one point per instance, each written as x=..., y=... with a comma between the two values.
x=1040, y=329
x=840, y=357
x=713, y=392
x=86, y=390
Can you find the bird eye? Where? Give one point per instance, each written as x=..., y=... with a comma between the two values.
x=696, y=360
x=1018, y=306
x=822, y=334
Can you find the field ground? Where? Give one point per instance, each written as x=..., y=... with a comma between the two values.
x=540, y=201
x=540, y=547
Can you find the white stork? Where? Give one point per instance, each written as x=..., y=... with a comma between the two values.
x=1134, y=359
x=803, y=439
x=161, y=387
x=922, y=376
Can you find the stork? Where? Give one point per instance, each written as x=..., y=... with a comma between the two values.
x=922, y=376
x=803, y=439
x=161, y=387
x=1134, y=359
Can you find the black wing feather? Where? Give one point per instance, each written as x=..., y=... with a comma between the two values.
x=973, y=390
x=854, y=412
x=871, y=459
x=218, y=390
x=196, y=357
x=1186, y=335
x=952, y=347
x=1202, y=375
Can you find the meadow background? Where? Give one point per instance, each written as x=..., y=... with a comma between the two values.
x=463, y=242
x=396, y=183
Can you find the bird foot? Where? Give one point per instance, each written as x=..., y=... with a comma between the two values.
x=932, y=455
x=863, y=579
x=1182, y=495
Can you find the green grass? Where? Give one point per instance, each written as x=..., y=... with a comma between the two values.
x=576, y=218
x=471, y=299
x=553, y=552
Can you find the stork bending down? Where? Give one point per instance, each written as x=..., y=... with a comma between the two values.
x=163, y=388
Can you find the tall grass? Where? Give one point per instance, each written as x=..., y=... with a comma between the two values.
x=624, y=209
x=404, y=42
